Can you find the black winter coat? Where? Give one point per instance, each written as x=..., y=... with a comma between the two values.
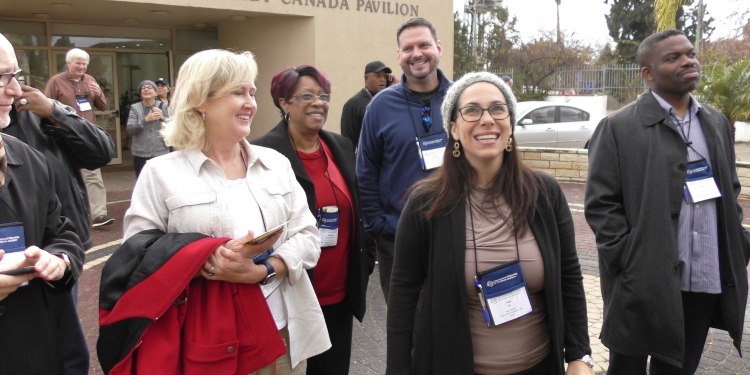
x=29, y=335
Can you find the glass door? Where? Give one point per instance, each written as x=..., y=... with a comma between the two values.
x=103, y=67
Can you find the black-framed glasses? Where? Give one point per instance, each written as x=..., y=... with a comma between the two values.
x=472, y=113
x=426, y=118
x=5, y=78
x=309, y=98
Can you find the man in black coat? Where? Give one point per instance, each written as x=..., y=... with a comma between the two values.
x=377, y=77
x=30, y=210
x=69, y=143
x=662, y=201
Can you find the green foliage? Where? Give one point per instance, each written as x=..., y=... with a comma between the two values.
x=629, y=23
x=726, y=86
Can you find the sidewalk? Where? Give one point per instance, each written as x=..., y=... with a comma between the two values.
x=369, y=343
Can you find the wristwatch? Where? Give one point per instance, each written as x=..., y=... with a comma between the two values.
x=587, y=360
x=271, y=274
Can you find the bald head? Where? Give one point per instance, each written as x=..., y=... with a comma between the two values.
x=8, y=93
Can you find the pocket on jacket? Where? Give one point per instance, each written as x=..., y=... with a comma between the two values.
x=186, y=207
x=203, y=359
x=278, y=188
x=189, y=199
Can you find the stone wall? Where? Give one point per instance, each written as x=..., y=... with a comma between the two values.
x=568, y=165
x=743, y=172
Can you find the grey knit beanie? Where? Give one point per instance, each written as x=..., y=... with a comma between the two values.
x=451, y=97
x=146, y=83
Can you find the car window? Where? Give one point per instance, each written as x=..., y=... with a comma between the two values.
x=544, y=115
x=569, y=114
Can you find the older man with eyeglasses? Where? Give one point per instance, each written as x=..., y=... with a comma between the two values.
x=75, y=88
x=41, y=256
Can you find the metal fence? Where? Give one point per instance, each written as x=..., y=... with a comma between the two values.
x=622, y=83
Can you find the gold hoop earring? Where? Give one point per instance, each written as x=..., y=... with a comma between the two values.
x=456, y=151
x=509, y=146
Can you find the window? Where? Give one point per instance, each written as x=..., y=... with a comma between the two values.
x=569, y=114
x=544, y=115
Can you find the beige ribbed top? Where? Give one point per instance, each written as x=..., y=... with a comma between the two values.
x=522, y=343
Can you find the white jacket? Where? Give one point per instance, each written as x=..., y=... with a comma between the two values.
x=181, y=192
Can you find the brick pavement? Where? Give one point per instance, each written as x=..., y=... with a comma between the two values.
x=369, y=346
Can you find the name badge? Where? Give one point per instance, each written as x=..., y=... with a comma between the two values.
x=502, y=294
x=700, y=184
x=13, y=241
x=83, y=104
x=328, y=226
x=431, y=149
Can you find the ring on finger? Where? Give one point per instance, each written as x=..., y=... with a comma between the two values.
x=211, y=271
x=23, y=101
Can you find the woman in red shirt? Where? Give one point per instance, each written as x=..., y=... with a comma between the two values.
x=323, y=163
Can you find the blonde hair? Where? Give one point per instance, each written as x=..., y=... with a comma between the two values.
x=75, y=54
x=207, y=74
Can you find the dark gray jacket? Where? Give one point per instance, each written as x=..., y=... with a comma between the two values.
x=84, y=145
x=637, y=168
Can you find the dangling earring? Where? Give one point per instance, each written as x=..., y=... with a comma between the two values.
x=203, y=115
x=286, y=117
x=456, y=151
x=509, y=146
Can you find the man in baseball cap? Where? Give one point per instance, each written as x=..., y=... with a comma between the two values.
x=163, y=90
x=377, y=77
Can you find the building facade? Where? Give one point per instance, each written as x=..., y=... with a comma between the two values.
x=133, y=40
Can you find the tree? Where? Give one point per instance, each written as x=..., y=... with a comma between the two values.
x=666, y=13
x=559, y=34
x=629, y=23
x=726, y=86
x=494, y=39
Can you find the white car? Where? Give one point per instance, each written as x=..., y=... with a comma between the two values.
x=552, y=124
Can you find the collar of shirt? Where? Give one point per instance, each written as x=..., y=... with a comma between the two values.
x=695, y=106
x=197, y=158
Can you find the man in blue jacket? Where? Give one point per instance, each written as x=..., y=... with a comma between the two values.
x=399, y=144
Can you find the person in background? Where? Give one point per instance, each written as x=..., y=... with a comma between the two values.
x=217, y=184
x=661, y=200
x=76, y=89
x=485, y=230
x=144, y=126
x=163, y=91
x=377, y=78
x=508, y=81
x=388, y=158
x=323, y=163
x=36, y=236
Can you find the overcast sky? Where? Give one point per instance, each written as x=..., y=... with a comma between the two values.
x=585, y=18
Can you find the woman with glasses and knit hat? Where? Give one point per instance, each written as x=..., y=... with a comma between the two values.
x=144, y=126
x=488, y=246
x=323, y=163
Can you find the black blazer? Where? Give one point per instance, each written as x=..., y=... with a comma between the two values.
x=361, y=256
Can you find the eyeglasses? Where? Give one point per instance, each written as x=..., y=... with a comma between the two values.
x=309, y=98
x=426, y=118
x=5, y=78
x=471, y=113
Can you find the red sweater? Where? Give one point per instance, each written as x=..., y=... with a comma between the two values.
x=329, y=280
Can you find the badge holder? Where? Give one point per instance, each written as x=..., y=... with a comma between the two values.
x=699, y=182
x=501, y=290
x=431, y=149
x=328, y=226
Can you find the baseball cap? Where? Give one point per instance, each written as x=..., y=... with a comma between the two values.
x=377, y=67
x=162, y=80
